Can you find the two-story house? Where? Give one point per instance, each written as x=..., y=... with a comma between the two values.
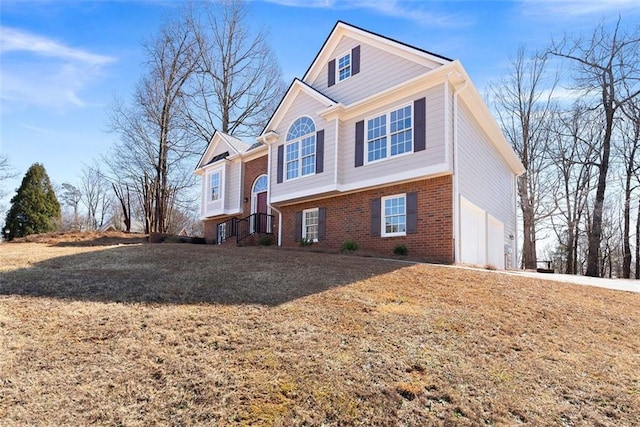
x=380, y=143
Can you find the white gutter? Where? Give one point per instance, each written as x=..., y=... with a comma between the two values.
x=335, y=172
x=456, y=194
x=269, y=198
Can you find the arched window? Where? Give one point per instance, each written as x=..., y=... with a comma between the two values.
x=300, y=151
x=260, y=185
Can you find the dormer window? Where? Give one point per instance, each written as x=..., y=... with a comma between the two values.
x=344, y=67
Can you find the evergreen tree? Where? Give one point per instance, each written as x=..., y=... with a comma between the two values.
x=34, y=208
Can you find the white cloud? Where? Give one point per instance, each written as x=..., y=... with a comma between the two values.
x=41, y=72
x=409, y=10
x=12, y=40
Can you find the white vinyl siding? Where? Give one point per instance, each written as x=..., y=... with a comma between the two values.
x=484, y=178
x=432, y=156
x=228, y=201
x=303, y=105
x=379, y=70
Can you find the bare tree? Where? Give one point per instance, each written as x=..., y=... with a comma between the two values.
x=71, y=196
x=629, y=130
x=96, y=196
x=238, y=81
x=5, y=172
x=574, y=158
x=523, y=104
x=154, y=142
x=123, y=194
x=603, y=63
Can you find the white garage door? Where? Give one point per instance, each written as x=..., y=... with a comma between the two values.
x=495, y=242
x=473, y=239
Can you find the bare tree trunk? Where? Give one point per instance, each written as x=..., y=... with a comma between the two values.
x=638, y=243
x=124, y=197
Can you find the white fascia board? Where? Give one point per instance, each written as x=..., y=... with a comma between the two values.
x=487, y=122
x=212, y=215
x=255, y=153
x=304, y=194
x=295, y=89
x=345, y=30
x=397, y=178
x=218, y=137
x=387, y=96
x=428, y=172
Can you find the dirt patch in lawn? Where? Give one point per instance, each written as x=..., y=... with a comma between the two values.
x=84, y=238
x=184, y=334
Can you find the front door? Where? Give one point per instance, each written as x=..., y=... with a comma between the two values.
x=261, y=202
x=261, y=208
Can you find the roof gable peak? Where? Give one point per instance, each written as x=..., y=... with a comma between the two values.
x=343, y=29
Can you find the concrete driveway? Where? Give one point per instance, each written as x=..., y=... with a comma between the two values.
x=629, y=285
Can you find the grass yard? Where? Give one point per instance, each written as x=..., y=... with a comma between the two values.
x=176, y=334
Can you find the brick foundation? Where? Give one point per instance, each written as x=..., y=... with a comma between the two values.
x=348, y=218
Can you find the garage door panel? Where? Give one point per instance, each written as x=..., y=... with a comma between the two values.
x=472, y=233
x=495, y=242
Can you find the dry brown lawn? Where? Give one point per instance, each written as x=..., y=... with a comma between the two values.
x=177, y=334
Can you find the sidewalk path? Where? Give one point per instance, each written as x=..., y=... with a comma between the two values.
x=617, y=284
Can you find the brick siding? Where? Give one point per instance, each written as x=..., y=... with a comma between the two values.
x=348, y=217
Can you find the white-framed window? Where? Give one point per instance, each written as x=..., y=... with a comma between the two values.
x=344, y=67
x=310, y=218
x=394, y=215
x=214, y=186
x=300, y=151
x=390, y=134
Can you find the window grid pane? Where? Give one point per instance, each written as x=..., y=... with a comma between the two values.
x=400, y=124
x=300, y=154
x=395, y=215
x=376, y=138
x=311, y=225
x=344, y=67
x=215, y=186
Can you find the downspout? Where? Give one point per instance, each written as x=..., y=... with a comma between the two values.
x=335, y=163
x=456, y=194
x=269, y=198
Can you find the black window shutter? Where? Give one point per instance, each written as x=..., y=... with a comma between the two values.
x=332, y=72
x=419, y=128
x=375, y=218
x=355, y=60
x=412, y=213
x=297, y=235
x=280, y=163
x=322, y=221
x=360, y=143
x=320, y=151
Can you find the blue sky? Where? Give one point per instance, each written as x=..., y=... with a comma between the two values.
x=63, y=62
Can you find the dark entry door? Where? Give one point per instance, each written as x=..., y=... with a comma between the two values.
x=261, y=210
x=261, y=205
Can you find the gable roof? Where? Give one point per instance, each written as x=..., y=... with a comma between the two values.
x=235, y=145
x=342, y=29
x=238, y=145
x=295, y=88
